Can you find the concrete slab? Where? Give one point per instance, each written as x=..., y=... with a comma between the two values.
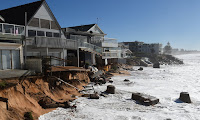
x=11, y=73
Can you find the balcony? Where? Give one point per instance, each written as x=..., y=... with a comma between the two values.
x=11, y=31
x=109, y=42
x=52, y=42
x=108, y=55
x=104, y=42
x=90, y=47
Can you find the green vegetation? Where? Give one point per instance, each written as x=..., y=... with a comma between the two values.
x=114, y=67
x=3, y=84
x=28, y=116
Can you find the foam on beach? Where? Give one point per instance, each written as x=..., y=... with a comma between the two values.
x=165, y=83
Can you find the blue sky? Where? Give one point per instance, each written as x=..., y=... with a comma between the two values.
x=150, y=21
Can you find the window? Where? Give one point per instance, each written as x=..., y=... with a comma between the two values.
x=34, y=22
x=19, y=30
x=49, y=34
x=31, y=33
x=56, y=34
x=54, y=26
x=8, y=28
x=45, y=23
x=1, y=28
x=40, y=33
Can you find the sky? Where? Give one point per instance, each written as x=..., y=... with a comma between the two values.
x=149, y=21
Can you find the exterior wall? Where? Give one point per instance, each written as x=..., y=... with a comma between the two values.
x=43, y=13
x=151, y=48
x=11, y=56
x=105, y=44
x=154, y=48
x=95, y=29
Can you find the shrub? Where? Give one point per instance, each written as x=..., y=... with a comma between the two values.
x=3, y=84
x=28, y=116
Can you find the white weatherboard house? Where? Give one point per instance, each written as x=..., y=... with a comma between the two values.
x=85, y=35
x=44, y=36
x=92, y=36
x=11, y=51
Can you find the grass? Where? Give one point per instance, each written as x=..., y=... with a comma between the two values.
x=28, y=116
x=3, y=84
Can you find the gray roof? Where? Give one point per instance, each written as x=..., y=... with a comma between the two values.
x=16, y=15
x=83, y=28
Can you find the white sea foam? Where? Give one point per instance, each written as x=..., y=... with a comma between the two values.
x=165, y=83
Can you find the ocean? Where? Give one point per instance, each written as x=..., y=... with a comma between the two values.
x=165, y=83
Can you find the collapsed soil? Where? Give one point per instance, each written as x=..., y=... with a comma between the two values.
x=23, y=97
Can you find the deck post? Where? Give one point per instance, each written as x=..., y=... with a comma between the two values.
x=78, y=56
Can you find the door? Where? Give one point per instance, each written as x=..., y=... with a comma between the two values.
x=15, y=59
x=6, y=59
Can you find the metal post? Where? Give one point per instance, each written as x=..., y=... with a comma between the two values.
x=63, y=57
x=47, y=51
x=25, y=32
x=78, y=56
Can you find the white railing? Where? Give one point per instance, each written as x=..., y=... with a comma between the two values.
x=110, y=40
x=90, y=47
x=110, y=55
x=52, y=42
x=12, y=29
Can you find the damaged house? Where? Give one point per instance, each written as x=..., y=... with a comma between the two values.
x=93, y=44
x=11, y=36
x=34, y=27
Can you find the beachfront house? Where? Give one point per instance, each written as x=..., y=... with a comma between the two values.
x=84, y=35
x=11, y=36
x=92, y=37
x=42, y=33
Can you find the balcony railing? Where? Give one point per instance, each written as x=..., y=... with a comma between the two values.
x=90, y=47
x=110, y=55
x=52, y=42
x=12, y=29
x=110, y=40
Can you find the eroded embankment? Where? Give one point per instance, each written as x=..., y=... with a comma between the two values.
x=24, y=97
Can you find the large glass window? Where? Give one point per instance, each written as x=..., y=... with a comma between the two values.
x=1, y=28
x=40, y=33
x=49, y=34
x=54, y=26
x=56, y=35
x=45, y=23
x=19, y=30
x=8, y=28
x=34, y=22
x=31, y=33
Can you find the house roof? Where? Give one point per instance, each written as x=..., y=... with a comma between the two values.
x=16, y=15
x=82, y=27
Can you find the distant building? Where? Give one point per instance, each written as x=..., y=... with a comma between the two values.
x=141, y=47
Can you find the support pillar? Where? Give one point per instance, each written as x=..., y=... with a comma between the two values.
x=63, y=57
x=106, y=61
x=47, y=51
x=93, y=58
x=78, y=56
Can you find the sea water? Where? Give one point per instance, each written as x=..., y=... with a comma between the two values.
x=165, y=83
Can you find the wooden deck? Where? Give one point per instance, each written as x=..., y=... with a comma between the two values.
x=67, y=68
